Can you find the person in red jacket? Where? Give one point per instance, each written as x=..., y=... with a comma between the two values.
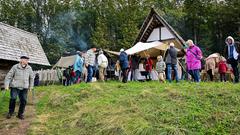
x=148, y=66
x=222, y=69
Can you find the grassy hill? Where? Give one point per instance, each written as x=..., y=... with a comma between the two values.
x=136, y=108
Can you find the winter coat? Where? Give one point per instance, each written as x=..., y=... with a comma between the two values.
x=160, y=66
x=236, y=49
x=90, y=57
x=102, y=61
x=193, y=62
x=222, y=67
x=123, y=58
x=210, y=64
x=171, y=56
x=19, y=77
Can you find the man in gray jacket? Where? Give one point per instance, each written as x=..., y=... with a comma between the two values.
x=171, y=62
x=20, y=79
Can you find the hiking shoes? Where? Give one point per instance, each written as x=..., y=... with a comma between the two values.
x=21, y=117
x=9, y=115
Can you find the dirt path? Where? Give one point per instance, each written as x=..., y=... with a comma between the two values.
x=15, y=126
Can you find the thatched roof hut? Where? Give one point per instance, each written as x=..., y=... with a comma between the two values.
x=15, y=42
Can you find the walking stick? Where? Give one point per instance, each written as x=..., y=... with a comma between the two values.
x=33, y=96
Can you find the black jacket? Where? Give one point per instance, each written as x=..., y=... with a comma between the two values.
x=171, y=56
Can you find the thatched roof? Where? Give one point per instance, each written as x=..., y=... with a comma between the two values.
x=15, y=42
x=153, y=21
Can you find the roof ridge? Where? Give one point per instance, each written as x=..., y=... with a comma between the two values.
x=155, y=15
x=17, y=28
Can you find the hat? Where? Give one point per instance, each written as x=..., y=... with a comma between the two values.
x=122, y=50
x=24, y=57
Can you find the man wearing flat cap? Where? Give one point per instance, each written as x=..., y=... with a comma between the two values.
x=20, y=79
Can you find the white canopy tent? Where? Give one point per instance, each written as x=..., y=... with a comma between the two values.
x=65, y=62
x=139, y=47
x=142, y=49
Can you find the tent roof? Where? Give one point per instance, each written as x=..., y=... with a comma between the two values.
x=144, y=48
x=154, y=20
x=112, y=52
x=139, y=47
x=15, y=42
x=65, y=62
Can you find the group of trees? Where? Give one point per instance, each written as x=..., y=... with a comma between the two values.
x=70, y=25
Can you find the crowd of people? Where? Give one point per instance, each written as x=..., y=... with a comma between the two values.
x=20, y=78
x=166, y=67
x=85, y=68
x=194, y=63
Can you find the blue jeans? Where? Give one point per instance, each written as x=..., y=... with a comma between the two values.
x=90, y=73
x=195, y=74
x=22, y=94
x=169, y=72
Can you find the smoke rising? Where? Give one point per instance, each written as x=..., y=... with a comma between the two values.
x=70, y=30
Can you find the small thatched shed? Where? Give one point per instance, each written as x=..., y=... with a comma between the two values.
x=15, y=42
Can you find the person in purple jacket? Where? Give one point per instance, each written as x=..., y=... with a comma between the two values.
x=193, y=59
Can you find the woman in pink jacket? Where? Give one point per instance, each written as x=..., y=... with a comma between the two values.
x=193, y=59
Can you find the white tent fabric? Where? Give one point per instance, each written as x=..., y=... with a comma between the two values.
x=145, y=48
x=65, y=62
x=112, y=52
x=139, y=47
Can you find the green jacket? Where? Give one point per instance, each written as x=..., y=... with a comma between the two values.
x=18, y=77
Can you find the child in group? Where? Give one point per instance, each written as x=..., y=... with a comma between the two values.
x=222, y=69
x=117, y=70
x=160, y=68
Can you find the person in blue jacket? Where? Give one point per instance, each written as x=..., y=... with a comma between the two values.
x=123, y=59
x=78, y=67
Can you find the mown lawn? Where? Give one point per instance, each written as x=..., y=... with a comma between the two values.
x=136, y=108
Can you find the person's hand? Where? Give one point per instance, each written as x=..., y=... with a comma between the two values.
x=86, y=65
x=6, y=88
x=30, y=89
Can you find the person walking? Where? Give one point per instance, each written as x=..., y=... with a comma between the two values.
x=231, y=52
x=160, y=68
x=90, y=63
x=193, y=59
x=123, y=59
x=171, y=62
x=102, y=64
x=20, y=80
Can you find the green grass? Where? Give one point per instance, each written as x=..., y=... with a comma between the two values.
x=4, y=100
x=136, y=108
